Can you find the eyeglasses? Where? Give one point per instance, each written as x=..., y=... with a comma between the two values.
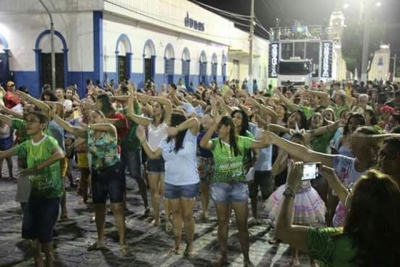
x=388, y=154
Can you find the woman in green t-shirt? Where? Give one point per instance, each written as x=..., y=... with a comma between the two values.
x=371, y=233
x=228, y=185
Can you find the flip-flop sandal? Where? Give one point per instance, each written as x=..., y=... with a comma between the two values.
x=173, y=252
x=96, y=246
x=124, y=250
x=188, y=254
x=274, y=241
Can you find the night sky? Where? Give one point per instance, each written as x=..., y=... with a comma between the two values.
x=311, y=12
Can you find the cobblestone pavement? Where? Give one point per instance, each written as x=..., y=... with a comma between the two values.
x=148, y=245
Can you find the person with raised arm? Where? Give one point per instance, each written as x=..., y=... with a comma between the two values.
x=358, y=243
x=178, y=148
x=108, y=175
x=43, y=156
x=228, y=185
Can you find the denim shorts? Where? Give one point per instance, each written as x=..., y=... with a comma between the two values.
x=133, y=161
x=40, y=216
x=229, y=192
x=108, y=183
x=156, y=165
x=179, y=191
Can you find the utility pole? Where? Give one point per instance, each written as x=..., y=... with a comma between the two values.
x=394, y=67
x=365, y=50
x=53, y=55
x=251, y=44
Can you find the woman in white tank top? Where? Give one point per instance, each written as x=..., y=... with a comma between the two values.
x=161, y=109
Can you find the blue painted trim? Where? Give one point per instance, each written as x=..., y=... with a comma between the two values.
x=121, y=38
x=185, y=50
x=56, y=33
x=169, y=47
x=4, y=42
x=150, y=43
x=98, y=45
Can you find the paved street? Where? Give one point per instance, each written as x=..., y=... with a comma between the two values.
x=148, y=245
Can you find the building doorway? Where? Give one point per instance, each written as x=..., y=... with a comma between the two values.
x=46, y=69
x=186, y=67
x=4, y=68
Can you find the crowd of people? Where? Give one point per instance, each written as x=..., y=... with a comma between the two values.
x=231, y=146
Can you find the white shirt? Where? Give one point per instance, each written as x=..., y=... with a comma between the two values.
x=67, y=105
x=181, y=166
x=264, y=162
x=156, y=134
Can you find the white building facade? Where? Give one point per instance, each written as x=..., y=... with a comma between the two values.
x=162, y=40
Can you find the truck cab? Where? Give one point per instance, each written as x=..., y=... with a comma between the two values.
x=297, y=71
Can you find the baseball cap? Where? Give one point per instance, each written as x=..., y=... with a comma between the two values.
x=10, y=83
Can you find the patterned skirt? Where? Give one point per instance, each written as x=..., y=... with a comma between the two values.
x=309, y=208
x=205, y=167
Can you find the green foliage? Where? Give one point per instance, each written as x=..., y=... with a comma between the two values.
x=352, y=43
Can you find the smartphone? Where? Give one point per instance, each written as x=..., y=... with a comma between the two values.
x=310, y=171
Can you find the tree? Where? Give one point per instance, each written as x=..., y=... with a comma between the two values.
x=352, y=44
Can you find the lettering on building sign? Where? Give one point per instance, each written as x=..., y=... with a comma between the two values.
x=194, y=24
x=326, y=60
x=274, y=52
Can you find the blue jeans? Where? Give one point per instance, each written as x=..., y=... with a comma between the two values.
x=179, y=191
x=229, y=192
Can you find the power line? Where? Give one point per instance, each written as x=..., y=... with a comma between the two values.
x=259, y=24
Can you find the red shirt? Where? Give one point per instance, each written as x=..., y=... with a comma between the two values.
x=11, y=100
x=121, y=131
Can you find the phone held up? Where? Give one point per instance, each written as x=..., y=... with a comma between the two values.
x=311, y=171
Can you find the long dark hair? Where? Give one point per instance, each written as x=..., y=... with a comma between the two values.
x=360, y=118
x=162, y=114
x=176, y=119
x=373, y=120
x=245, y=121
x=227, y=121
x=107, y=107
x=373, y=221
x=53, y=97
